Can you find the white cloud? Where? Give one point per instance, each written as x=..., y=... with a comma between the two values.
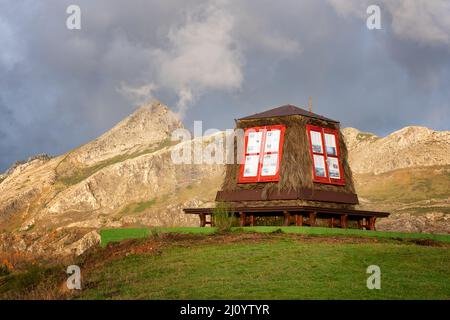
x=424, y=21
x=204, y=52
x=202, y=55
x=138, y=94
x=185, y=98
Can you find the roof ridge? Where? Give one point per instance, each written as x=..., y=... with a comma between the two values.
x=286, y=110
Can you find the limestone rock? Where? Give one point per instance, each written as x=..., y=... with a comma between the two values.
x=151, y=124
x=409, y=147
x=87, y=241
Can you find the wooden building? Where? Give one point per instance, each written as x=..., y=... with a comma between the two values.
x=294, y=165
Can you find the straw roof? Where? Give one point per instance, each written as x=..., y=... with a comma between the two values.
x=296, y=166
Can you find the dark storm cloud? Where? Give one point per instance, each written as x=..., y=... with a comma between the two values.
x=219, y=61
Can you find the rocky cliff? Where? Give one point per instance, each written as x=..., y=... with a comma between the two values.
x=406, y=148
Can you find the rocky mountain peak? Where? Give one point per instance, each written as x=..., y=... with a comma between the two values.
x=415, y=134
x=153, y=112
x=355, y=138
x=150, y=125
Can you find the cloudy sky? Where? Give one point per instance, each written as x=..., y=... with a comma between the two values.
x=216, y=61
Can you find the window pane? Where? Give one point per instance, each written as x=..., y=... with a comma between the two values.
x=316, y=140
x=333, y=168
x=270, y=163
x=254, y=142
x=272, y=141
x=330, y=144
x=251, y=166
x=319, y=166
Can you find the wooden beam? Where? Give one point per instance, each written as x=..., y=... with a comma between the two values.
x=354, y=214
x=287, y=218
x=298, y=220
x=242, y=220
x=312, y=218
x=331, y=222
x=252, y=220
x=202, y=219
x=304, y=194
x=372, y=223
x=344, y=219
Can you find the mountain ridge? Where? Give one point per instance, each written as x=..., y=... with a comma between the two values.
x=131, y=180
x=412, y=146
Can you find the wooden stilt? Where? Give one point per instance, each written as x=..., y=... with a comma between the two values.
x=252, y=220
x=287, y=218
x=242, y=220
x=344, y=219
x=202, y=219
x=298, y=220
x=331, y=222
x=372, y=223
x=312, y=219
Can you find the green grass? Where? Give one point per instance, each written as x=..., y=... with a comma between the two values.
x=17, y=285
x=137, y=207
x=141, y=206
x=279, y=267
x=80, y=174
x=353, y=232
x=119, y=234
x=365, y=136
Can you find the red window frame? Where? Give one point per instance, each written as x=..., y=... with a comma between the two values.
x=262, y=152
x=327, y=179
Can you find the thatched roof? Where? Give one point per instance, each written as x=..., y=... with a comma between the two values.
x=296, y=163
x=287, y=110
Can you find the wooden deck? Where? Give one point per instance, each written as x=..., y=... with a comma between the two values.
x=297, y=215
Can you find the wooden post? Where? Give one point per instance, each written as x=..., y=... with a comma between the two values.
x=252, y=220
x=344, y=218
x=211, y=219
x=298, y=220
x=242, y=220
x=331, y=222
x=372, y=223
x=202, y=219
x=287, y=218
x=312, y=219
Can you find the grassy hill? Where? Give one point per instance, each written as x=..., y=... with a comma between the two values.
x=418, y=198
x=243, y=264
x=276, y=268
x=406, y=185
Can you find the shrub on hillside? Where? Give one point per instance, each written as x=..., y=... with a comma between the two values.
x=223, y=218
